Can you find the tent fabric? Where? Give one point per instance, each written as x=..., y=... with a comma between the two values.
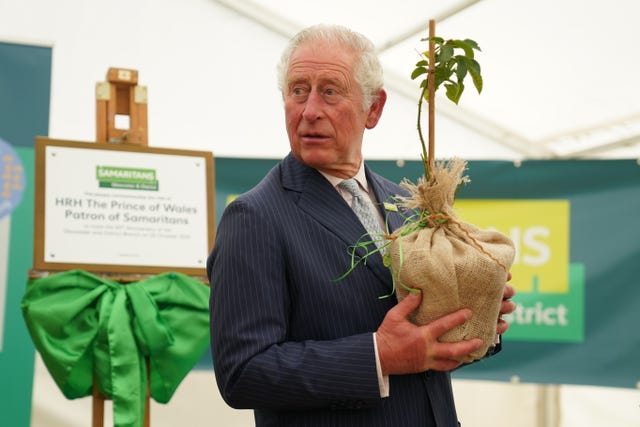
x=559, y=83
x=559, y=77
x=549, y=66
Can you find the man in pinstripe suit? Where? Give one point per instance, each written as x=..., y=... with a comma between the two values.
x=288, y=340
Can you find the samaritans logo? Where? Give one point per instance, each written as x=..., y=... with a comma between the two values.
x=550, y=290
x=127, y=178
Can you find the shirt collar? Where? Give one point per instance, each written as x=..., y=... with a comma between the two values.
x=360, y=176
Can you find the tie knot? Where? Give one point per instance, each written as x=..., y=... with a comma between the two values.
x=351, y=185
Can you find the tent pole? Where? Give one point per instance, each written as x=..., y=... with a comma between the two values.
x=548, y=405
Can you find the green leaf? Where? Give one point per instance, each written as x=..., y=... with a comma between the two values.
x=454, y=91
x=472, y=44
x=474, y=70
x=461, y=68
x=418, y=72
x=460, y=93
x=468, y=50
x=442, y=75
x=445, y=53
x=447, y=61
x=477, y=81
x=474, y=66
x=386, y=260
x=436, y=39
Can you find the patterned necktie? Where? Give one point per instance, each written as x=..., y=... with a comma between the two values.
x=363, y=210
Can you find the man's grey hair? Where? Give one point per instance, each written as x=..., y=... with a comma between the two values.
x=368, y=70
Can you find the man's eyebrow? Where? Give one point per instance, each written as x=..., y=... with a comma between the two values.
x=293, y=80
x=296, y=79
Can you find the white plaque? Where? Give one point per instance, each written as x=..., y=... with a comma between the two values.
x=123, y=208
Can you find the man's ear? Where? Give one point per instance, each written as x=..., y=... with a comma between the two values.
x=376, y=109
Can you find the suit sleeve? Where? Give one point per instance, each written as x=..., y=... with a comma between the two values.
x=256, y=364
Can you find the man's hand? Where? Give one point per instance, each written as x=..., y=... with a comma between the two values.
x=405, y=348
x=507, y=307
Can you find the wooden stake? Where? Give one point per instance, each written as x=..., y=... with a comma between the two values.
x=97, y=407
x=98, y=399
x=431, y=85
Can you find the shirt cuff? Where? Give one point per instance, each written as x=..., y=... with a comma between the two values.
x=383, y=380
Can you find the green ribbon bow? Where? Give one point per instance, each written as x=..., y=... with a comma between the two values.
x=83, y=325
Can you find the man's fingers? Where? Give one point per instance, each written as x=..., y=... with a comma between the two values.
x=502, y=327
x=507, y=306
x=448, y=322
x=509, y=292
x=450, y=351
x=408, y=305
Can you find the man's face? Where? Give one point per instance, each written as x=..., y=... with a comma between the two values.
x=323, y=109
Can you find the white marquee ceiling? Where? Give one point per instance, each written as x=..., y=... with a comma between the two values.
x=560, y=76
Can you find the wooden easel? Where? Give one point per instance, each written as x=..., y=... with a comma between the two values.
x=120, y=96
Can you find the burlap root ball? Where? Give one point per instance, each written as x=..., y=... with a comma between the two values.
x=455, y=264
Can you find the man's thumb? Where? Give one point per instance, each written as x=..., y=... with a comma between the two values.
x=409, y=304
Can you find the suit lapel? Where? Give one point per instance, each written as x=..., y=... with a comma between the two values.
x=318, y=199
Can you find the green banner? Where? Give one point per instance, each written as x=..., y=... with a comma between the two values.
x=576, y=270
x=25, y=75
x=550, y=288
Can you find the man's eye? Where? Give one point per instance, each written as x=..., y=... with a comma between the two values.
x=330, y=92
x=298, y=91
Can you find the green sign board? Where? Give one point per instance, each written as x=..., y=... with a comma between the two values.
x=576, y=270
x=25, y=75
x=550, y=302
x=551, y=316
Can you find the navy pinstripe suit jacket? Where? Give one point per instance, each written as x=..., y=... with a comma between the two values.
x=287, y=339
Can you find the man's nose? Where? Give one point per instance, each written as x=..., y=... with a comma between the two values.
x=313, y=106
